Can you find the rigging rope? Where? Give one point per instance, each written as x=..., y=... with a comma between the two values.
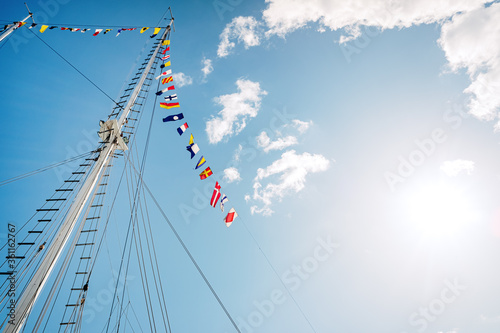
x=187, y=251
x=31, y=173
x=76, y=69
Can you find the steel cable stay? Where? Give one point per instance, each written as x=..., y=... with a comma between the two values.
x=40, y=170
x=186, y=250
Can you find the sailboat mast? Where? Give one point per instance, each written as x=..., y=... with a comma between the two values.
x=110, y=132
x=14, y=26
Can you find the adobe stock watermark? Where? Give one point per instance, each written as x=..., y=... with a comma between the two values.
x=362, y=36
x=46, y=10
x=425, y=148
x=293, y=278
x=249, y=152
x=103, y=298
x=223, y=6
x=425, y=315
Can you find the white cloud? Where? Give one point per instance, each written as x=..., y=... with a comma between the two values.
x=181, y=79
x=232, y=175
x=237, y=108
x=265, y=142
x=207, y=67
x=471, y=41
x=301, y=126
x=293, y=169
x=453, y=168
x=243, y=30
x=285, y=16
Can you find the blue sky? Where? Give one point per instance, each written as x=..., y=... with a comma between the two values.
x=356, y=140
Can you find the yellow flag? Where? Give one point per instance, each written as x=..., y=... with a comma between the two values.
x=144, y=29
x=166, y=42
x=157, y=30
x=191, y=139
x=43, y=28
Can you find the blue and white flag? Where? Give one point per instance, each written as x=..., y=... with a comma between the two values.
x=223, y=200
x=193, y=149
x=171, y=97
x=173, y=117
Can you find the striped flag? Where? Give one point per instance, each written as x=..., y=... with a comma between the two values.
x=230, y=217
x=169, y=105
x=166, y=80
x=182, y=129
x=215, y=195
x=200, y=162
x=166, y=57
x=164, y=74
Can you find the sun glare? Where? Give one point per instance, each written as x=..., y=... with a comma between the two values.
x=440, y=210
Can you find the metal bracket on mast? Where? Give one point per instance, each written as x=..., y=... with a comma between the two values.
x=109, y=130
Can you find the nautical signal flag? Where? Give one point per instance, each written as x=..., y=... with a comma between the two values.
x=223, y=200
x=166, y=42
x=171, y=97
x=166, y=57
x=106, y=31
x=169, y=105
x=97, y=31
x=165, y=64
x=173, y=117
x=43, y=28
x=200, y=162
x=215, y=195
x=166, y=80
x=182, y=129
x=205, y=173
x=193, y=149
x=167, y=49
x=164, y=90
x=164, y=74
x=144, y=29
x=191, y=139
x=156, y=31
x=230, y=217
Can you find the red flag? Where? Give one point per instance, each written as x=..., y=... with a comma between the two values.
x=215, y=195
x=230, y=217
x=206, y=173
x=169, y=105
x=167, y=49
